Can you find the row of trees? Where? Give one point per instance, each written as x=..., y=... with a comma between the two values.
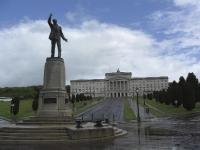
x=185, y=92
x=22, y=92
x=79, y=98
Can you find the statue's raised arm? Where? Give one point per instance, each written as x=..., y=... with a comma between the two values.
x=55, y=36
x=49, y=20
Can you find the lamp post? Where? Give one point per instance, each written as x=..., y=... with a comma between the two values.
x=144, y=97
x=138, y=111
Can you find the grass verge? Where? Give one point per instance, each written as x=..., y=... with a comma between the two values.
x=128, y=112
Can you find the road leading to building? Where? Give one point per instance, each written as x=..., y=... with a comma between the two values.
x=111, y=109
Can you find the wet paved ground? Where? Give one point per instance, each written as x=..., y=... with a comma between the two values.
x=4, y=123
x=180, y=133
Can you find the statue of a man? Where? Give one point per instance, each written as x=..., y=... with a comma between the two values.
x=56, y=33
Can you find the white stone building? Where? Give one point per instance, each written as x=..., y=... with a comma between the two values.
x=118, y=84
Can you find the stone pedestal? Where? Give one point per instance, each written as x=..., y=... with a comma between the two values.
x=53, y=94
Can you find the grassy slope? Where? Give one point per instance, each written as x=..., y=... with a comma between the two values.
x=168, y=110
x=25, y=108
x=128, y=112
x=5, y=109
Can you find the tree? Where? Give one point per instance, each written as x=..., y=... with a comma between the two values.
x=144, y=96
x=188, y=97
x=77, y=97
x=155, y=95
x=198, y=94
x=162, y=96
x=150, y=96
x=190, y=92
x=15, y=103
x=193, y=81
x=68, y=89
x=172, y=94
x=73, y=99
x=175, y=89
x=181, y=86
x=81, y=97
x=35, y=100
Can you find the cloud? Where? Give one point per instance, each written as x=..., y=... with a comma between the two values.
x=94, y=48
x=78, y=16
x=181, y=29
x=186, y=2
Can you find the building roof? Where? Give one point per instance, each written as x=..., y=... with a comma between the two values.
x=87, y=80
x=118, y=72
x=149, y=78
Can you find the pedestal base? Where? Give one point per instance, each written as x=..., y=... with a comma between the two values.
x=52, y=96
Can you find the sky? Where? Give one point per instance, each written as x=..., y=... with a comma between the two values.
x=145, y=37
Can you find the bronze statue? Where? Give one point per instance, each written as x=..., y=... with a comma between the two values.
x=56, y=33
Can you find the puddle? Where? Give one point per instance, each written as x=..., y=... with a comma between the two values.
x=150, y=131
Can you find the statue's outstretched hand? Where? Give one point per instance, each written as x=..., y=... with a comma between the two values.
x=65, y=40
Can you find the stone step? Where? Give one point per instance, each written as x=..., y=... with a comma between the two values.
x=39, y=137
x=10, y=141
x=25, y=134
x=40, y=129
x=44, y=123
x=32, y=131
x=118, y=131
x=33, y=134
x=49, y=118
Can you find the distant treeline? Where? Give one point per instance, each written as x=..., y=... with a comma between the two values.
x=22, y=92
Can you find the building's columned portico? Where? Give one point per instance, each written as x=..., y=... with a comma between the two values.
x=118, y=84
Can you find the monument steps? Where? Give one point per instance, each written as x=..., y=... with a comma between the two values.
x=30, y=134
x=30, y=141
x=48, y=118
x=119, y=132
x=33, y=134
x=38, y=137
x=33, y=129
x=46, y=121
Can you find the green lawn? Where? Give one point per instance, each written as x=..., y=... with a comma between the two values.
x=25, y=109
x=5, y=109
x=128, y=112
x=168, y=110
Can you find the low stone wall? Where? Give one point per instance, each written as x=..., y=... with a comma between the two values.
x=90, y=132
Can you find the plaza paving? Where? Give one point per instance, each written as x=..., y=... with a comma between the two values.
x=175, y=133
